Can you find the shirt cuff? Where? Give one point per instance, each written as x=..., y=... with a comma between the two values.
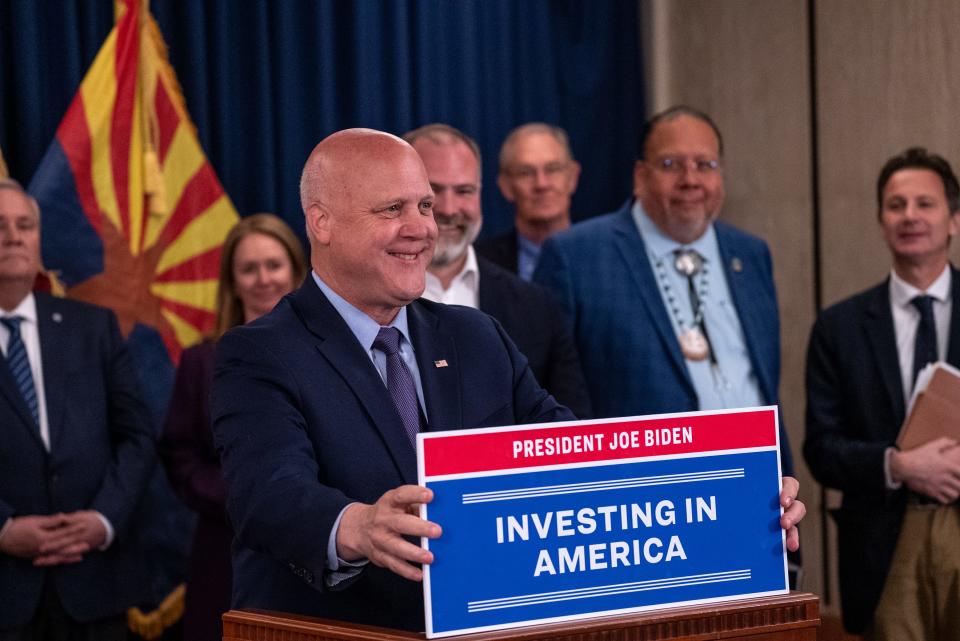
x=6, y=526
x=339, y=570
x=891, y=484
x=110, y=533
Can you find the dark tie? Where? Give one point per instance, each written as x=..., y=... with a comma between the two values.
x=400, y=383
x=19, y=365
x=925, y=346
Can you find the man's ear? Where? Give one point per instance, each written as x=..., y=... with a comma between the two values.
x=318, y=223
x=506, y=187
x=639, y=179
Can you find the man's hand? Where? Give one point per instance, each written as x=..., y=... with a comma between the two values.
x=29, y=536
x=932, y=469
x=376, y=532
x=81, y=532
x=793, y=511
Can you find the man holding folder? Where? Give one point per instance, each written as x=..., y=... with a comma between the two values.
x=899, y=523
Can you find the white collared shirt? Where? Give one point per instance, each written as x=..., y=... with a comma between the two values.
x=30, y=335
x=464, y=288
x=906, y=320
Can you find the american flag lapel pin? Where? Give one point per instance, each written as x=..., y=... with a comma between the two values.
x=441, y=363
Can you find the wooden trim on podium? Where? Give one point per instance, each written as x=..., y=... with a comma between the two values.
x=791, y=617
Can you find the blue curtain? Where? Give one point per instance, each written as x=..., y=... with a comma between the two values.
x=265, y=81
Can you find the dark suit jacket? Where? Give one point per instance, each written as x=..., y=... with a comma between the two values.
x=538, y=326
x=193, y=468
x=501, y=250
x=306, y=426
x=101, y=457
x=855, y=408
x=631, y=358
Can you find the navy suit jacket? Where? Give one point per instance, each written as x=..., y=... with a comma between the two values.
x=501, y=250
x=631, y=358
x=541, y=331
x=855, y=408
x=101, y=457
x=305, y=426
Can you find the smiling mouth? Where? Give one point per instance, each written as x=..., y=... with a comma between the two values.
x=406, y=257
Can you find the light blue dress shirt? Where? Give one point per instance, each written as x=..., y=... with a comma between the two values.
x=528, y=255
x=366, y=330
x=732, y=383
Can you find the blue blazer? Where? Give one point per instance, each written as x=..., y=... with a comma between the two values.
x=855, y=408
x=101, y=457
x=630, y=355
x=305, y=426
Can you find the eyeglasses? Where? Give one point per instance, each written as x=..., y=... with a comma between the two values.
x=529, y=172
x=678, y=164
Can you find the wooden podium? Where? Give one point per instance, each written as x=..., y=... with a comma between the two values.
x=792, y=617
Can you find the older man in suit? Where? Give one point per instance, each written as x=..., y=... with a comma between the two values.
x=673, y=311
x=76, y=452
x=457, y=275
x=316, y=405
x=899, y=523
x=539, y=176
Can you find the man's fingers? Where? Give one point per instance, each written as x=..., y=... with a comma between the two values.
x=793, y=514
x=788, y=494
x=410, y=525
x=395, y=547
x=57, y=559
x=407, y=495
x=61, y=538
x=52, y=521
x=793, y=539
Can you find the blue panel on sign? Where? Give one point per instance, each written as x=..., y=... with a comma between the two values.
x=560, y=543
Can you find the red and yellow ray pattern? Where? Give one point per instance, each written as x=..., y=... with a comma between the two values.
x=146, y=188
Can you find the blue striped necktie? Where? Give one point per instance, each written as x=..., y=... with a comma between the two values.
x=400, y=382
x=19, y=365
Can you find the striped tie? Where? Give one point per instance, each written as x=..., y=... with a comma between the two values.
x=19, y=365
x=400, y=382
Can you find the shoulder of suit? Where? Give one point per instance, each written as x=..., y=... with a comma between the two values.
x=452, y=316
x=847, y=308
x=592, y=231
x=497, y=241
x=729, y=233
x=67, y=307
x=534, y=292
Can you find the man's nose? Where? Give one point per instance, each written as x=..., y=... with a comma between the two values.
x=443, y=203
x=10, y=235
x=416, y=224
x=542, y=178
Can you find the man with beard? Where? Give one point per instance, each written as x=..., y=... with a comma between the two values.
x=673, y=310
x=458, y=276
x=539, y=175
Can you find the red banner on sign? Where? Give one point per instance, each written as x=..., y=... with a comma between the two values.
x=588, y=441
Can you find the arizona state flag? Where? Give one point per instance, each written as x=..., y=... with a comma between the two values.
x=133, y=213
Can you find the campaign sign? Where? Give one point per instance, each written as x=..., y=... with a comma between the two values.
x=565, y=521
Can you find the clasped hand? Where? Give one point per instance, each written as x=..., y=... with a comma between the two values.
x=932, y=469
x=54, y=539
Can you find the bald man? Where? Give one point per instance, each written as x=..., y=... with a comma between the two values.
x=315, y=406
